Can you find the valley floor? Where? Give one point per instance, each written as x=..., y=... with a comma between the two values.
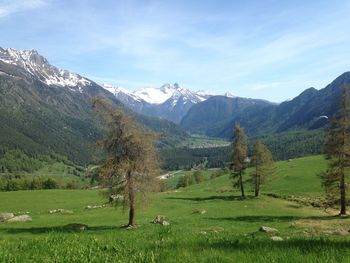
x=206, y=225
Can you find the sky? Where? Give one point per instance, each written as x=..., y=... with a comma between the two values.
x=259, y=49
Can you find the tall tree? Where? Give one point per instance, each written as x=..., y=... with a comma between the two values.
x=239, y=157
x=263, y=165
x=337, y=149
x=130, y=167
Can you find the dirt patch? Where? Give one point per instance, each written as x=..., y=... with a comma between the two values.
x=323, y=227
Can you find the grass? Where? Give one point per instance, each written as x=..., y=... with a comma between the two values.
x=227, y=232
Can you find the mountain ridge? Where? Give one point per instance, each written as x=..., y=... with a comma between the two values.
x=170, y=102
x=309, y=110
x=35, y=114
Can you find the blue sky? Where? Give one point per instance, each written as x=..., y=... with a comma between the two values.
x=260, y=49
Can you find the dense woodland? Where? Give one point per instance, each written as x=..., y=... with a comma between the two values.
x=283, y=146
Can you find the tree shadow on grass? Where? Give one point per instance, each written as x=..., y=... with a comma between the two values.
x=272, y=218
x=72, y=228
x=210, y=198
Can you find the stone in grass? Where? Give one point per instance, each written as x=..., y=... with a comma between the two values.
x=60, y=211
x=161, y=220
x=6, y=216
x=76, y=227
x=21, y=218
x=267, y=229
x=198, y=211
x=95, y=206
x=276, y=238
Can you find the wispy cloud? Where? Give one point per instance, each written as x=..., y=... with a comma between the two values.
x=8, y=7
x=275, y=48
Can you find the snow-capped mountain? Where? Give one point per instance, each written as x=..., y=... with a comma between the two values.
x=38, y=66
x=169, y=101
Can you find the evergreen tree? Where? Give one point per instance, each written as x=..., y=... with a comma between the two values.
x=239, y=157
x=131, y=164
x=263, y=165
x=337, y=149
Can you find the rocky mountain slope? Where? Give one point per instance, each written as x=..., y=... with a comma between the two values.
x=44, y=108
x=170, y=102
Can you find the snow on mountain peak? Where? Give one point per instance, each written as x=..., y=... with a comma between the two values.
x=154, y=95
x=37, y=65
x=229, y=94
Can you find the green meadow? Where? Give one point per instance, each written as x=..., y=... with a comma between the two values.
x=209, y=222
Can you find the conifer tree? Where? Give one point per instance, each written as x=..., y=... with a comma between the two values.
x=263, y=165
x=239, y=157
x=130, y=167
x=337, y=150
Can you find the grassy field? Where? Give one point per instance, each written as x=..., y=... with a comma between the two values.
x=226, y=232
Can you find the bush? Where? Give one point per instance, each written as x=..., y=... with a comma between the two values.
x=15, y=183
x=198, y=176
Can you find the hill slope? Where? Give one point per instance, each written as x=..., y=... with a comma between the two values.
x=310, y=110
x=43, y=108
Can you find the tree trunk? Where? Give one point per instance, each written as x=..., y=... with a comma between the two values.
x=342, y=194
x=257, y=182
x=241, y=183
x=131, y=201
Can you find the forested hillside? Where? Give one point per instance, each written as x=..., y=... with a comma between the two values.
x=308, y=111
x=38, y=118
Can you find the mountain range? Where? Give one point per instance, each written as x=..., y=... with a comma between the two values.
x=308, y=111
x=45, y=108
x=171, y=102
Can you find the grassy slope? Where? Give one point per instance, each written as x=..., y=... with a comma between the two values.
x=225, y=233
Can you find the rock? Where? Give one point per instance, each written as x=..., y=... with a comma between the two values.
x=95, y=206
x=267, y=229
x=21, y=218
x=60, y=211
x=276, y=238
x=76, y=227
x=166, y=223
x=6, y=216
x=114, y=198
x=162, y=220
x=201, y=212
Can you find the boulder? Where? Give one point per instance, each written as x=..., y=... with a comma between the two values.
x=198, y=211
x=115, y=198
x=6, y=216
x=267, y=229
x=162, y=220
x=60, y=211
x=276, y=238
x=21, y=218
x=95, y=206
